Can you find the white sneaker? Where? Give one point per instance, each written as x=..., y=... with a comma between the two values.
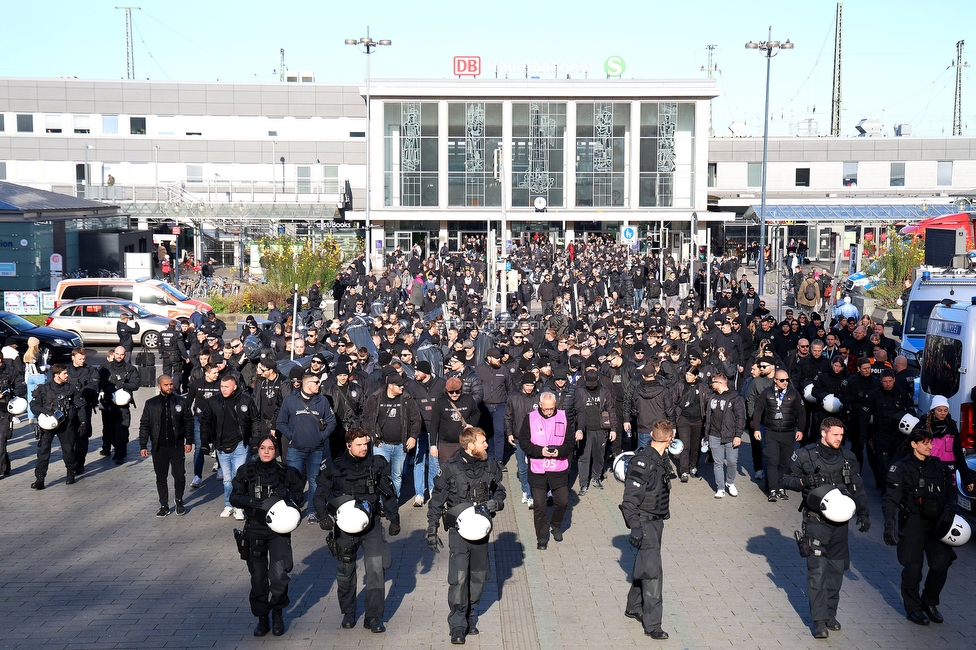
x=760, y=475
x=215, y=467
x=531, y=502
x=733, y=492
x=720, y=494
x=238, y=514
x=226, y=512
x=196, y=482
x=525, y=498
x=418, y=501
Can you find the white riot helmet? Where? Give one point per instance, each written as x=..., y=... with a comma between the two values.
x=474, y=523
x=47, y=422
x=832, y=503
x=620, y=465
x=17, y=406
x=808, y=393
x=351, y=517
x=954, y=532
x=676, y=447
x=907, y=423
x=121, y=397
x=831, y=404
x=283, y=518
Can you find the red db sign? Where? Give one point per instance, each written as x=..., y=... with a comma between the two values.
x=467, y=66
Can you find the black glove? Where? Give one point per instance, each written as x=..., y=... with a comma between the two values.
x=265, y=504
x=492, y=505
x=394, y=528
x=890, y=536
x=327, y=522
x=281, y=492
x=814, y=481
x=434, y=542
x=636, y=537
x=863, y=523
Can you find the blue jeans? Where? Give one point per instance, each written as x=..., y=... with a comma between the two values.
x=425, y=466
x=523, y=469
x=496, y=444
x=307, y=462
x=643, y=440
x=229, y=464
x=638, y=298
x=198, y=454
x=724, y=454
x=396, y=456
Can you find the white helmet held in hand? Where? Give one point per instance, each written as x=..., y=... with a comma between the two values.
x=47, y=422
x=831, y=404
x=17, y=406
x=832, y=503
x=352, y=517
x=283, y=518
x=474, y=523
x=808, y=393
x=958, y=534
x=907, y=423
x=676, y=447
x=121, y=397
x=620, y=465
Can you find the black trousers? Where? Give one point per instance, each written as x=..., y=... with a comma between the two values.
x=166, y=460
x=589, y=463
x=647, y=581
x=376, y=559
x=6, y=432
x=825, y=574
x=66, y=436
x=539, y=484
x=915, y=545
x=778, y=452
x=467, y=572
x=84, y=431
x=269, y=564
x=115, y=430
x=881, y=449
x=173, y=366
x=690, y=433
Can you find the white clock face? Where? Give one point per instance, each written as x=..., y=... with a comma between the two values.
x=540, y=203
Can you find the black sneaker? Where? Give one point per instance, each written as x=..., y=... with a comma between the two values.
x=820, y=630
x=657, y=634
x=163, y=512
x=557, y=534
x=348, y=621
x=180, y=510
x=457, y=636
x=374, y=625
x=598, y=484
x=783, y=496
x=833, y=624
x=772, y=496
x=637, y=616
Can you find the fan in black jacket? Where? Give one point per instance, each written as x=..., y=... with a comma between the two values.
x=167, y=421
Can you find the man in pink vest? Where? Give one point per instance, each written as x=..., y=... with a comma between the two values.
x=543, y=437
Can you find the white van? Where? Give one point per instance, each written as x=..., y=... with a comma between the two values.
x=931, y=287
x=948, y=364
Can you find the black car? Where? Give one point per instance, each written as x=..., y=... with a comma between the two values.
x=58, y=342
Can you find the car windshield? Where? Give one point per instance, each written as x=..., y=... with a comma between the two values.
x=917, y=319
x=17, y=323
x=133, y=308
x=176, y=293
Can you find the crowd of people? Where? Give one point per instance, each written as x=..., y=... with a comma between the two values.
x=412, y=391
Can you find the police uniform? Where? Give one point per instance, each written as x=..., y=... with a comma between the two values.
x=172, y=352
x=367, y=480
x=916, y=496
x=113, y=376
x=257, y=486
x=812, y=466
x=646, y=504
x=61, y=401
x=464, y=479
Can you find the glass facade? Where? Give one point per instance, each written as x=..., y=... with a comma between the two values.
x=474, y=134
x=410, y=154
x=667, y=145
x=601, y=154
x=538, y=153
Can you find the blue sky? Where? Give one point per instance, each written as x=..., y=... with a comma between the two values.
x=896, y=54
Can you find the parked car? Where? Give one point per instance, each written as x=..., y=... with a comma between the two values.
x=94, y=320
x=153, y=295
x=58, y=344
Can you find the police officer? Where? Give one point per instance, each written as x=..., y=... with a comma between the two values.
x=172, y=351
x=58, y=399
x=85, y=380
x=880, y=413
x=918, y=486
x=469, y=478
x=827, y=462
x=646, y=504
x=366, y=478
x=114, y=376
x=12, y=386
x=257, y=486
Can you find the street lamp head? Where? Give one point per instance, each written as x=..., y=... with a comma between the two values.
x=386, y=41
x=772, y=45
x=749, y=46
x=352, y=41
x=282, y=160
x=366, y=40
x=787, y=45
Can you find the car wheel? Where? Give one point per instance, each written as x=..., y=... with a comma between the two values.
x=150, y=340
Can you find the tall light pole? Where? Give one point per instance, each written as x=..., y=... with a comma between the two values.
x=87, y=172
x=769, y=49
x=367, y=45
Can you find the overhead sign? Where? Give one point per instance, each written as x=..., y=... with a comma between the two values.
x=614, y=66
x=467, y=66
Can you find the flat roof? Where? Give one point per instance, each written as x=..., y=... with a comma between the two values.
x=879, y=212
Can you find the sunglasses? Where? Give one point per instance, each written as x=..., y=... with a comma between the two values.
x=778, y=379
x=453, y=392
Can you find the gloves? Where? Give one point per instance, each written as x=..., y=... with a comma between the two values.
x=814, y=481
x=327, y=522
x=394, y=528
x=205, y=449
x=281, y=492
x=890, y=536
x=863, y=523
x=434, y=542
x=636, y=537
x=265, y=504
x=492, y=505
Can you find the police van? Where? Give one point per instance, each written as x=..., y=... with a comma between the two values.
x=931, y=287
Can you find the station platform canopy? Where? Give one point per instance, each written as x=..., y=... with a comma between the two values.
x=874, y=213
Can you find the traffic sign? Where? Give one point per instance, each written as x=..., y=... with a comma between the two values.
x=628, y=235
x=176, y=231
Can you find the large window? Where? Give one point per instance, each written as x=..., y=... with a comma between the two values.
x=110, y=124
x=82, y=124
x=3, y=170
x=850, y=174
x=712, y=174
x=944, y=176
x=803, y=177
x=940, y=364
x=52, y=124
x=538, y=153
x=474, y=134
x=601, y=153
x=753, y=174
x=667, y=145
x=1, y=123
x=897, y=174
x=410, y=154
x=330, y=176
x=25, y=124
x=137, y=126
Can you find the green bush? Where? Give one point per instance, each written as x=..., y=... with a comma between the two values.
x=895, y=258
x=287, y=262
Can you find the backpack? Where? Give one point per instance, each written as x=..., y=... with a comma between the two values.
x=810, y=292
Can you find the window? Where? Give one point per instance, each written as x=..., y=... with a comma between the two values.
x=940, y=364
x=944, y=175
x=52, y=124
x=850, y=174
x=1, y=123
x=194, y=173
x=712, y=174
x=917, y=319
x=137, y=125
x=273, y=134
x=601, y=139
x=330, y=175
x=803, y=177
x=82, y=124
x=3, y=170
x=25, y=124
x=123, y=291
x=474, y=134
x=357, y=134
x=538, y=153
x=110, y=124
x=754, y=173
x=897, y=174
x=667, y=143
x=410, y=153
x=304, y=179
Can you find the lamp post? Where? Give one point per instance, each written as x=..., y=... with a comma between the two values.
x=367, y=45
x=87, y=173
x=769, y=49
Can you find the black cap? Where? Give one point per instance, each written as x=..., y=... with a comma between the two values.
x=296, y=373
x=394, y=379
x=560, y=373
x=424, y=367
x=494, y=353
x=270, y=364
x=528, y=378
x=591, y=378
x=385, y=358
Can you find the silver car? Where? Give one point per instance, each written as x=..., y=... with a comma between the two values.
x=95, y=319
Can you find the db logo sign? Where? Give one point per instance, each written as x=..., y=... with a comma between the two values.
x=467, y=66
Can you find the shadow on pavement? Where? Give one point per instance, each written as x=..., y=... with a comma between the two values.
x=776, y=547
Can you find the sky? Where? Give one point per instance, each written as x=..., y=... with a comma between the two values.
x=898, y=56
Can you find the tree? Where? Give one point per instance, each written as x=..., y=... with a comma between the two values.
x=288, y=261
x=894, y=257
